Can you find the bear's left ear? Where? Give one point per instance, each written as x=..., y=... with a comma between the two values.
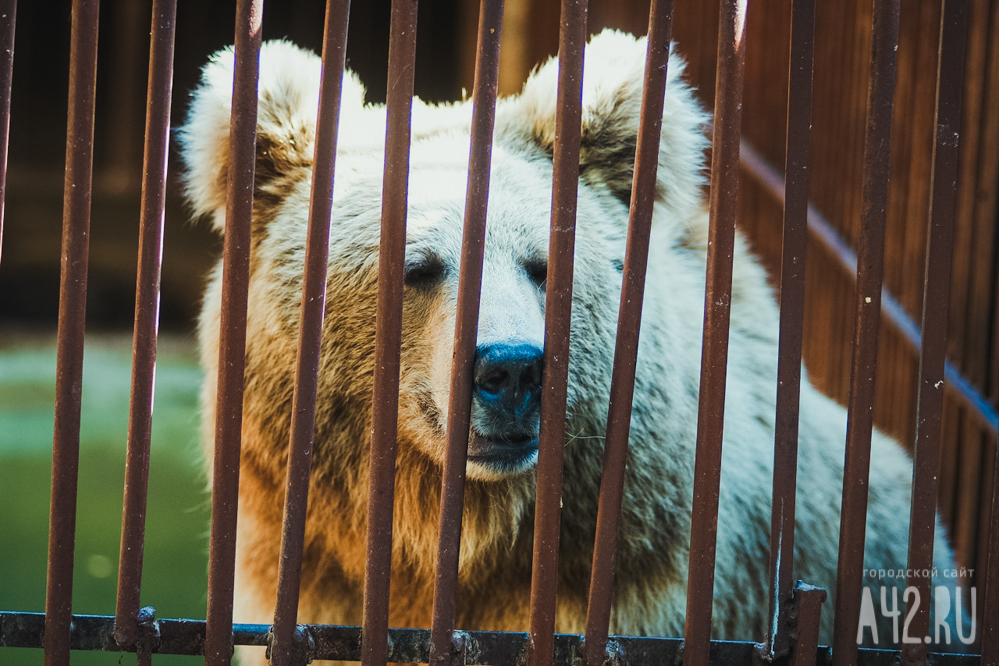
x=288, y=103
x=613, y=75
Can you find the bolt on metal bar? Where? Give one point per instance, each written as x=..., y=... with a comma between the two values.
x=466, y=326
x=303, y=418
x=717, y=310
x=558, y=313
x=936, y=299
x=870, y=273
x=643, y=197
x=232, y=342
x=388, y=332
x=8, y=17
x=797, y=165
x=808, y=601
x=147, y=306
x=72, y=322
x=990, y=602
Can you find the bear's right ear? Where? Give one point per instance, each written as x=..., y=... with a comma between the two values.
x=288, y=102
x=613, y=76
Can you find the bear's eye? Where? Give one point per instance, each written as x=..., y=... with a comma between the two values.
x=424, y=272
x=537, y=270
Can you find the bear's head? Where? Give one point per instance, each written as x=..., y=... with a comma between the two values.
x=510, y=340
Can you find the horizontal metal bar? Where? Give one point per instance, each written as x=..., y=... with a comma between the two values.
x=187, y=637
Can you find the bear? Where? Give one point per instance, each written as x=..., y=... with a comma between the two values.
x=497, y=536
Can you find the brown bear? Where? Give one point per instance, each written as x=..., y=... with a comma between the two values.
x=653, y=547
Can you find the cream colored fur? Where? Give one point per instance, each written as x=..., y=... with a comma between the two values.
x=498, y=521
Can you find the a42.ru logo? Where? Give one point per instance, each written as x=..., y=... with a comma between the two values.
x=943, y=605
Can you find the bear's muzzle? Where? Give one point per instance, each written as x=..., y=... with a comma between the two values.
x=506, y=406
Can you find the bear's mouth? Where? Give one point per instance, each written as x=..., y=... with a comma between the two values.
x=504, y=454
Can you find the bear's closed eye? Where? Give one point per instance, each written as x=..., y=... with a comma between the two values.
x=537, y=270
x=424, y=271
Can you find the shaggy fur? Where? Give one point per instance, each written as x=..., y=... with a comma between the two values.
x=498, y=517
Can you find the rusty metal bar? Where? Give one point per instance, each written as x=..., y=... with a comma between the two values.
x=147, y=307
x=303, y=418
x=808, y=600
x=936, y=298
x=72, y=321
x=232, y=342
x=792, y=309
x=643, y=197
x=388, y=333
x=342, y=643
x=870, y=272
x=442, y=650
x=990, y=601
x=717, y=310
x=8, y=17
x=558, y=312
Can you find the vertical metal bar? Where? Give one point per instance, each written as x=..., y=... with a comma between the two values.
x=936, y=299
x=466, y=325
x=143, y=655
x=808, y=600
x=232, y=342
x=870, y=272
x=147, y=307
x=388, y=333
x=303, y=416
x=643, y=197
x=717, y=310
x=72, y=321
x=990, y=602
x=8, y=16
x=558, y=312
x=792, y=308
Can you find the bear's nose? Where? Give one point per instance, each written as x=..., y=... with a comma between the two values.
x=508, y=377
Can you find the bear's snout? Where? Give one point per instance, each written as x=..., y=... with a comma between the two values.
x=508, y=378
x=506, y=406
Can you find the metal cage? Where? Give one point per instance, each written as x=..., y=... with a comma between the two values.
x=795, y=607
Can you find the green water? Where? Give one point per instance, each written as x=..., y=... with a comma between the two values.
x=175, y=569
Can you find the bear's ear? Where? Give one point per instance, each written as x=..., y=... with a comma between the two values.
x=613, y=74
x=288, y=94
